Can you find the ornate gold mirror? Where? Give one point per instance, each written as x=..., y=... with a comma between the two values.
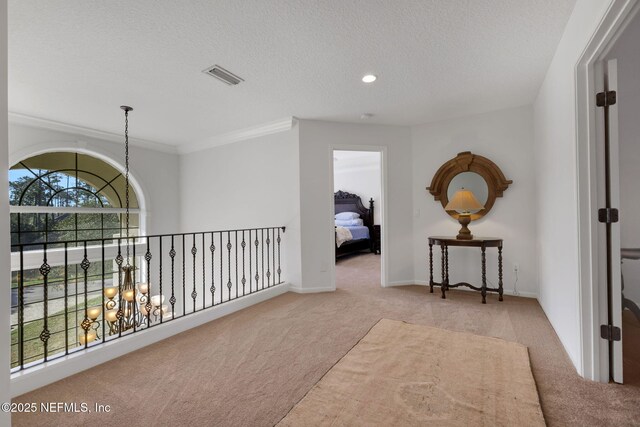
x=471, y=172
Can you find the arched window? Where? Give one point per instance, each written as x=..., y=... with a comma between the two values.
x=62, y=197
x=65, y=196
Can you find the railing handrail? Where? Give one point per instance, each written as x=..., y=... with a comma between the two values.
x=76, y=294
x=123, y=238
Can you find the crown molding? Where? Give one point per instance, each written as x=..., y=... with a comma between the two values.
x=37, y=122
x=277, y=126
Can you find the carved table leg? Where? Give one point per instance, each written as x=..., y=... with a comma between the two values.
x=443, y=285
x=499, y=273
x=430, y=267
x=446, y=264
x=484, y=275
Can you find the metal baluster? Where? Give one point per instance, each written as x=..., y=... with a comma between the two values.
x=146, y=299
x=279, y=269
x=194, y=251
x=45, y=334
x=212, y=248
x=229, y=284
x=262, y=255
x=21, y=309
x=244, y=280
x=273, y=257
x=256, y=243
x=250, y=266
x=172, y=300
x=268, y=263
x=86, y=323
x=135, y=306
x=149, y=306
x=204, y=278
x=236, y=261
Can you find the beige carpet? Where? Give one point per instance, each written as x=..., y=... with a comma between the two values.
x=410, y=375
x=250, y=368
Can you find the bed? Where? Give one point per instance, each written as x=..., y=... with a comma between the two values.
x=361, y=234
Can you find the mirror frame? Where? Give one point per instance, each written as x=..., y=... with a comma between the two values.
x=497, y=183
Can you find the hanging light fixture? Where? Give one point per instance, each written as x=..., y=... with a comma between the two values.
x=126, y=306
x=133, y=306
x=128, y=314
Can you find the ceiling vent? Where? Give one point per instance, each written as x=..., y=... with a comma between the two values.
x=221, y=74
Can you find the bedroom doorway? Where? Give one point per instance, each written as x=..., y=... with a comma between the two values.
x=358, y=218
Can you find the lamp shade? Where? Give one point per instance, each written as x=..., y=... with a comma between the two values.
x=464, y=201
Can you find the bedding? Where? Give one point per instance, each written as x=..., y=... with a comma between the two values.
x=347, y=215
x=349, y=210
x=359, y=232
x=349, y=222
x=343, y=234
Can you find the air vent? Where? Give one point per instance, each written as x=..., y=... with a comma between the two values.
x=221, y=74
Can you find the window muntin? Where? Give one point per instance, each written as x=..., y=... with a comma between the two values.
x=67, y=196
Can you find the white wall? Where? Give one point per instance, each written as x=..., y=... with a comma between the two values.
x=5, y=418
x=627, y=53
x=505, y=137
x=556, y=182
x=248, y=184
x=317, y=139
x=156, y=172
x=360, y=175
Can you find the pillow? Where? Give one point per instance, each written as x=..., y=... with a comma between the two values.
x=347, y=215
x=349, y=222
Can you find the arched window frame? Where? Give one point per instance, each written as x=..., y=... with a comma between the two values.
x=52, y=209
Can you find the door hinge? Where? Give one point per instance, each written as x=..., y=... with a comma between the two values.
x=605, y=99
x=608, y=215
x=610, y=333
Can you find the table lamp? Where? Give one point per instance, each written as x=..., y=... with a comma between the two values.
x=463, y=201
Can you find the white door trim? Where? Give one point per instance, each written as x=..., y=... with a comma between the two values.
x=594, y=358
x=384, y=245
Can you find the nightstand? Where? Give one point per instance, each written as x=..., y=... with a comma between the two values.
x=376, y=240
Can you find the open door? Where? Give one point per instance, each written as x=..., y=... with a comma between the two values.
x=609, y=202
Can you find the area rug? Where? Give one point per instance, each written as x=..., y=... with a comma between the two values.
x=401, y=374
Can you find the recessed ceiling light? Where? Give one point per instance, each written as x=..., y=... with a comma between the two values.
x=369, y=78
x=366, y=116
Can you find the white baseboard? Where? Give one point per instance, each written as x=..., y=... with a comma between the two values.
x=401, y=283
x=505, y=291
x=49, y=372
x=300, y=290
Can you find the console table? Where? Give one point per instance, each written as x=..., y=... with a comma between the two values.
x=479, y=242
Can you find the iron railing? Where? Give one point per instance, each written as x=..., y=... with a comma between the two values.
x=72, y=295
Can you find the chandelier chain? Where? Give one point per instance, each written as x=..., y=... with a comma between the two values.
x=126, y=179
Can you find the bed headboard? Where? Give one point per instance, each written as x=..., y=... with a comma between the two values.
x=348, y=202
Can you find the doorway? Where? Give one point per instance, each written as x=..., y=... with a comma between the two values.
x=608, y=172
x=358, y=218
x=622, y=75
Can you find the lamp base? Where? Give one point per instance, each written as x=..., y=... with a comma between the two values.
x=464, y=233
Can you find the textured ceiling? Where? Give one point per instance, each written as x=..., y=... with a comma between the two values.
x=77, y=61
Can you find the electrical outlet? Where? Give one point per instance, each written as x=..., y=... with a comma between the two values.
x=516, y=268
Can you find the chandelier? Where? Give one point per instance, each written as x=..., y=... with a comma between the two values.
x=127, y=306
